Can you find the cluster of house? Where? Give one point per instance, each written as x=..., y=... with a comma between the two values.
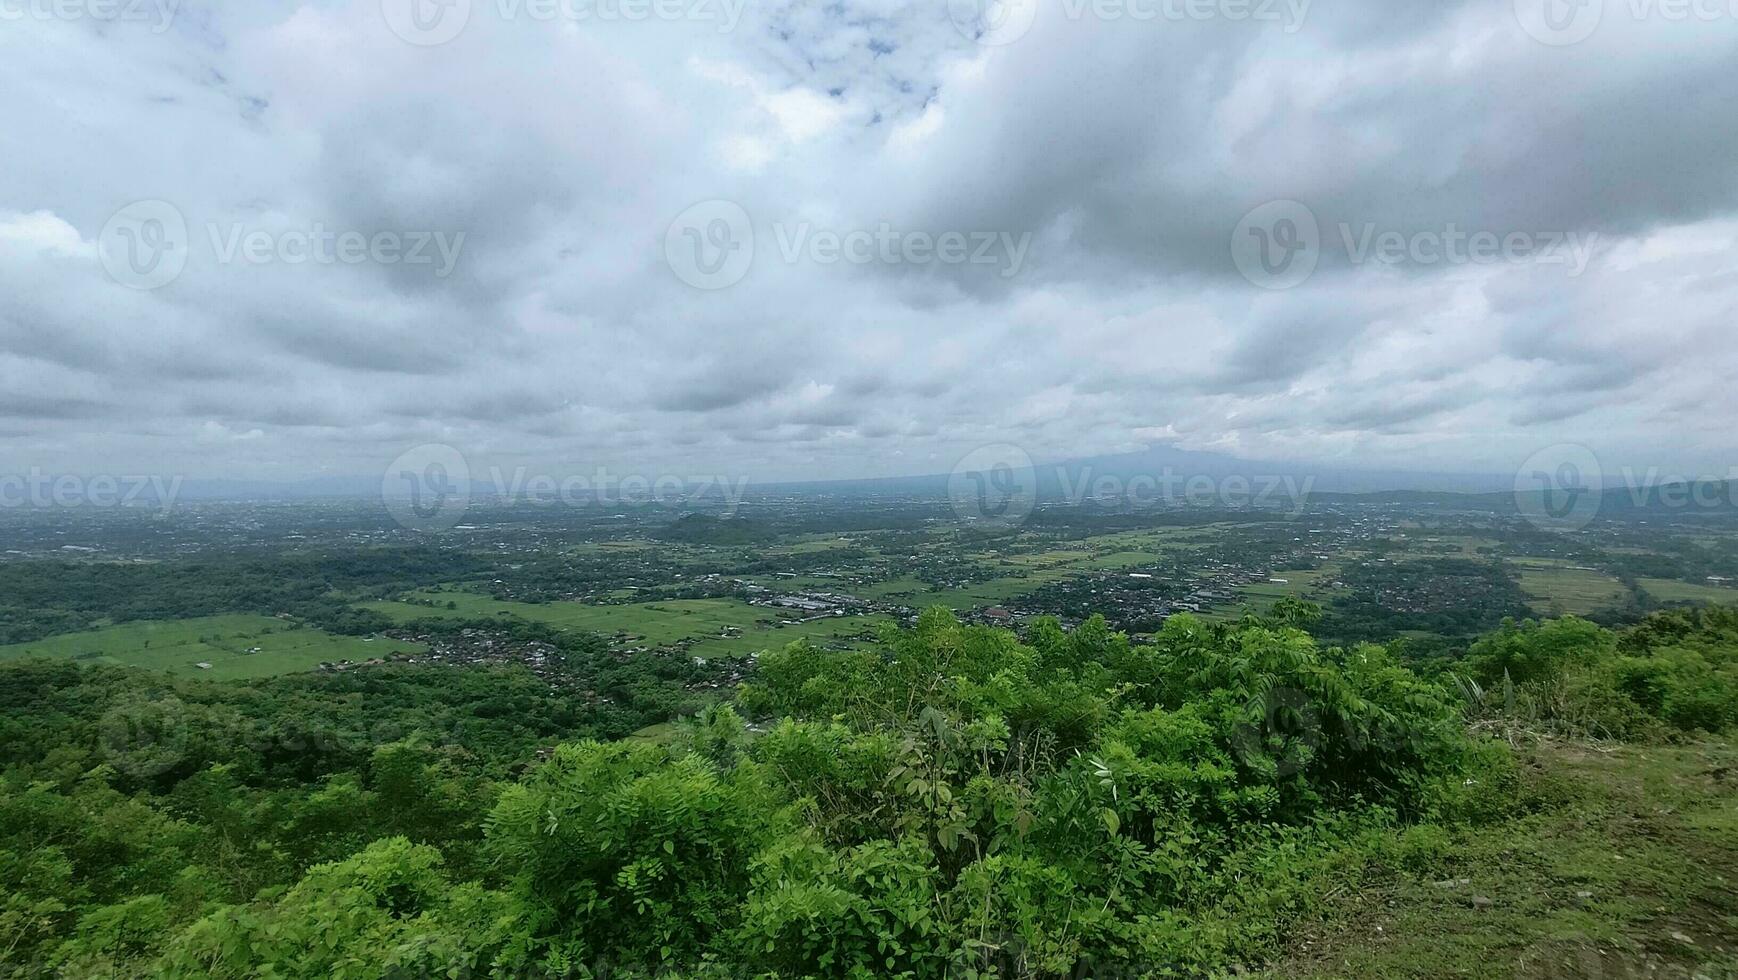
x=806, y=607
x=470, y=647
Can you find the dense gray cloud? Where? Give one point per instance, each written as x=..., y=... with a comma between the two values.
x=955, y=243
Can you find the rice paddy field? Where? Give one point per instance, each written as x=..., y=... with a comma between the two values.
x=1671, y=590
x=1559, y=587
x=236, y=647
x=1304, y=583
x=703, y=622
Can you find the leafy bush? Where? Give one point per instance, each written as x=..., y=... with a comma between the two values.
x=964, y=802
x=622, y=853
x=390, y=911
x=1675, y=672
x=959, y=802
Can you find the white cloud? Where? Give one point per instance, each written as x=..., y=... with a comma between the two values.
x=1128, y=151
x=41, y=231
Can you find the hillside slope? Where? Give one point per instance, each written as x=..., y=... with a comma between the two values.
x=1627, y=868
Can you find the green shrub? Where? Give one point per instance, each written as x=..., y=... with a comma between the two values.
x=1675, y=672
x=957, y=802
x=389, y=911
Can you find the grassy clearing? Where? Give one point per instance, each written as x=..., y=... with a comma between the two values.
x=1672, y=590
x=613, y=547
x=812, y=544
x=1155, y=539
x=1626, y=867
x=1558, y=587
x=657, y=624
x=893, y=588
x=224, y=642
x=1001, y=589
x=1124, y=559
x=1301, y=582
x=1043, y=559
x=1108, y=552
x=989, y=593
x=659, y=734
x=798, y=583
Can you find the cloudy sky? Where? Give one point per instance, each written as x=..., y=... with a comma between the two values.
x=792, y=238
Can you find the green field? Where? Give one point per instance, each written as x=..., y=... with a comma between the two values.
x=1672, y=590
x=811, y=544
x=1041, y=559
x=1303, y=583
x=1030, y=571
x=798, y=583
x=1556, y=586
x=995, y=591
x=655, y=624
x=221, y=641
x=1123, y=559
x=659, y=734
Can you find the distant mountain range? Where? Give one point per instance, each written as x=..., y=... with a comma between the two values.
x=1143, y=474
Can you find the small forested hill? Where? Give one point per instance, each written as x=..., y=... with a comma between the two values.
x=958, y=802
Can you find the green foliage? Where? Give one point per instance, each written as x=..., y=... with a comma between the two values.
x=1037, y=808
x=131, y=803
x=1531, y=652
x=959, y=802
x=622, y=853
x=39, y=599
x=1674, y=672
x=389, y=911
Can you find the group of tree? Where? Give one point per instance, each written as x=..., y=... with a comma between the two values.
x=960, y=801
x=42, y=598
